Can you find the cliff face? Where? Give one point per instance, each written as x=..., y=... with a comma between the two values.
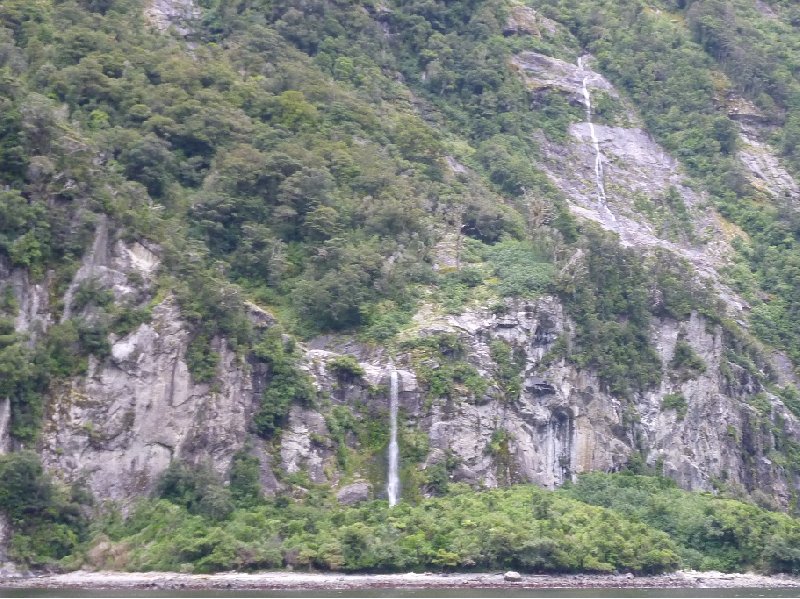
x=120, y=425
x=128, y=418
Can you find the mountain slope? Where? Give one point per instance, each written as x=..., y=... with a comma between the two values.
x=568, y=226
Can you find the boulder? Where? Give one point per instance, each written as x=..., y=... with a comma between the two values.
x=512, y=576
x=354, y=493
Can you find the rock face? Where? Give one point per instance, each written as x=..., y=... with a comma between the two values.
x=565, y=423
x=176, y=14
x=119, y=426
x=5, y=421
x=128, y=418
x=766, y=173
x=640, y=177
x=305, y=444
x=354, y=493
x=540, y=72
x=523, y=20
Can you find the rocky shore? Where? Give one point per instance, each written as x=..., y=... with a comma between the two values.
x=293, y=581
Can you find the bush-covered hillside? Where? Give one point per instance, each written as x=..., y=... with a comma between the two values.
x=300, y=163
x=346, y=170
x=602, y=523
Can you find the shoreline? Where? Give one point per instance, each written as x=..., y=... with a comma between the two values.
x=295, y=581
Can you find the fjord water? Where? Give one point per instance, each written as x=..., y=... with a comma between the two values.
x=413, y=593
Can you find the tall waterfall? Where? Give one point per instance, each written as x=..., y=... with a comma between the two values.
x=393, y=488
x=598, y=155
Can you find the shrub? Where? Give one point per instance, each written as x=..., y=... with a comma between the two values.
x=612, y=315
x=510, y=364
x=197, y=488
x=245, y=478
x=494, y=529
x=346, y=368
x=520, y=268
x=48, y=522
x=90, y=292
x=685, y=362
x=125, y=320
x=710, y=532
x=201, y=359
x=677, y=402
x=287, y=384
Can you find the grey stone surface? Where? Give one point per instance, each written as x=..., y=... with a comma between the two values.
x=354, y=493
x=176, y=14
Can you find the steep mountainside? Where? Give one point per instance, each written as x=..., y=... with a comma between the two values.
x=569, y=228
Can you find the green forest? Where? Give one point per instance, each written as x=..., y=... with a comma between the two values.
x=298, y=157
x=194, y=523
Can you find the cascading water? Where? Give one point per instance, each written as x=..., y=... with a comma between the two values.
x=598, y=154
x=393, y=487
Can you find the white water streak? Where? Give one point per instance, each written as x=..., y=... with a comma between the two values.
x=598, y=154
x=393, y=487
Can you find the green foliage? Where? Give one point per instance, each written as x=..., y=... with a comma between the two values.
x=437, y=476
x=245, y=478
x=669, y=70
x=26, y=372
x=126, y=320
x=384, y=319
x=201, y=359
x=196, y=488
x=455, y=287
x=510, y=362
x=287, y=384
x=685, y=363
x=346, y=367
x=48, y=522
x=23, y=381
x=440, y=366
x=521, y=269
x=498, y=448
x=710, y=532
x=677, y=402
x=761, y=402
x=281, y=161
x=790, y=398
x=611, y=310
x=90, y=292
x=462, y=530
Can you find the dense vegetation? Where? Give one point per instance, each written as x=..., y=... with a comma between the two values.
x=195, y=523
x=525, y=528
x=50, y=522
x=286, y=161
x=314, y=160
x=671, y=72
x=711, y=533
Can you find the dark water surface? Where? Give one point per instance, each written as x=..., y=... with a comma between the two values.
x=411, y=593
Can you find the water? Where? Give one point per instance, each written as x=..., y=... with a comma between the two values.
x=598, y=154
x=413, y=593
x=393, y=488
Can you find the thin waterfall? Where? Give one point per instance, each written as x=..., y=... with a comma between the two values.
x=393, y=487
x=598, y=154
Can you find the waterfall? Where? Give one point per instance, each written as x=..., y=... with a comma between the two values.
x=393, y=487
x=5, y=422
x=598, y=155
